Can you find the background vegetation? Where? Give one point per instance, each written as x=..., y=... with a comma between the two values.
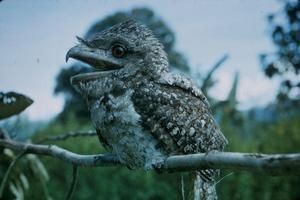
x=272, y=129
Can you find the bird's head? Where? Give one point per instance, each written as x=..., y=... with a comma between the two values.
x=129, y=46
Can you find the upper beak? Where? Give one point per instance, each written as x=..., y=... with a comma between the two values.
x=72, y=52
x=97, y=58
x=82, y=53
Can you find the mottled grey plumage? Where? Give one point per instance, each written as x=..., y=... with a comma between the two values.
x=141, y=111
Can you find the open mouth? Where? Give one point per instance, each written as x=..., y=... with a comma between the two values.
x=97, y=60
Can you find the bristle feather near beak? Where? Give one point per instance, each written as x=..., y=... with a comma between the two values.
x=82, y=40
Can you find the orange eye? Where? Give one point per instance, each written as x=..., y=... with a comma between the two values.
x=118, y=51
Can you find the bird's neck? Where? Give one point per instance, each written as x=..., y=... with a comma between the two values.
x=156, y=62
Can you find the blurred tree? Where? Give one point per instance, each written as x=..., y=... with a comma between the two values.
x=146, y=16
x=285, y=61
x=226, y=110
x=152, y=21
x=208, y=81
x=74, y=103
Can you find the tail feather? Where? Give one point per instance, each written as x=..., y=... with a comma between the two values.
x=208, y=175
x=204, y=185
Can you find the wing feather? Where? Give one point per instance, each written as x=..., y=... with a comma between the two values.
x=177, y=113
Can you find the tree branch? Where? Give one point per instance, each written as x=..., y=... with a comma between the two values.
x=62, y=154
x=273, y=164
x=68, y=135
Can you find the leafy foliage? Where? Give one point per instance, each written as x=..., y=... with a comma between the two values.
x=279, y=137
x=30, y=169
x=285, y=62
x=28, y=174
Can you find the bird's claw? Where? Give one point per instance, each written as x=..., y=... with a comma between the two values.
x=159, y=166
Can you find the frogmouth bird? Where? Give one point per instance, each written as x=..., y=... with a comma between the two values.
x=142, y=112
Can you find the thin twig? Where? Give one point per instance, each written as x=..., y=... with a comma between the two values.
x=182, y=187
x=73, y=183
x=274, y=164
x=221, y=179
x=8, y=171
x=67, y=135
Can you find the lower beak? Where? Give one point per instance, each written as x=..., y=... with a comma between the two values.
x=80, y=78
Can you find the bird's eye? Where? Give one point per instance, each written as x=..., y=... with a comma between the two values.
x=118, y=51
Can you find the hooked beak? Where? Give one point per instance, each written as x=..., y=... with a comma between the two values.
x=97, y=58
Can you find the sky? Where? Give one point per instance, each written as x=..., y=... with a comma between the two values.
x=35, y=36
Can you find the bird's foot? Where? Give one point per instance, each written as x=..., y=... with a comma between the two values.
x=159, y=166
